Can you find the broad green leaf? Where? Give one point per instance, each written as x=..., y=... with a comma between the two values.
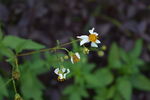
x=4, y=51
x=114, y=57
x=105, y=93
x=136, y=51
x=20, y=44
x=3, y=89
x=92, y=80
x=31, y=87
x=104, y=77
x=111, y=92
x=141, y=82
x=124, y=56
x=75, y=96
x=75, y=92
x=101, y=94
x=125, y=88
x=117, y=97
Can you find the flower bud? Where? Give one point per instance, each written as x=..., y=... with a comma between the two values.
x=16, y=75
x=104, y=47
x=66, y=57
x=100, y=53
x=18, y=97
x=86, y=50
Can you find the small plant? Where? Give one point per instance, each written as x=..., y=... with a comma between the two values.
x=25, y=73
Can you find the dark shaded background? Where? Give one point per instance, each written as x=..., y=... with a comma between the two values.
x=46, y=21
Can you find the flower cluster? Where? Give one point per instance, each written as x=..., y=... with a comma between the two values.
x=75, y=57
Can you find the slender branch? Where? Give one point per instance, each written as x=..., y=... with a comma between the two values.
x=14, y=85
x=16, y=61
x=44, y=50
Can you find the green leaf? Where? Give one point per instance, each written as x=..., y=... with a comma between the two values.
x=136, y=51
x=75, y=92
x=3, y=89
x=92, y=80
x=111, y=92
x=117, y=97
x=141, y=82
x=124, y=56
x=19, y=44
x=104, y=77
x=114, y=57
x=31, y=87
x=125, y=88
x=101, y=94
x=4, y=51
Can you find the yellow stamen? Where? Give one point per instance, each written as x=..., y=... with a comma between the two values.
x=92, y=37
x=61, y=80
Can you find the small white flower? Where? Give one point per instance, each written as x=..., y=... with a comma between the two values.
x=93, y=38
x=61, y=73
x=75, y=57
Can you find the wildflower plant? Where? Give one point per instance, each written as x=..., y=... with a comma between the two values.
x=13, y=51
x=28, y=59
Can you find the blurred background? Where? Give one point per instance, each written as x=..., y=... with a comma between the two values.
x=123, y=26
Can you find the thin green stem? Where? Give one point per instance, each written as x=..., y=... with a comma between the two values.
x=16, y=62
x=14, y=85
x=44, y=50
x=65, y=50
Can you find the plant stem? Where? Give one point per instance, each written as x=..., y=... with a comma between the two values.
x=44, y=50
x=14, y=85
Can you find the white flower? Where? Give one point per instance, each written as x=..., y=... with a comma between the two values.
x=93, y=38
x=75, y=57
x=61, y=73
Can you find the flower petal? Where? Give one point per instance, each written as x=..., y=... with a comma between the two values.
x=68, y=71
x=84, y=41
x=98, y=41
x=61, y=76
x=77, y=54
x=82, y=37
x=91, y=31
x=72, y=60
x=63, y=70
x=56, y=70
x=94, y=44
x=95, y=33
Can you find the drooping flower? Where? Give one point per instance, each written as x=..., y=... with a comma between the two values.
x=62, y=72
x=75, y=57
x=93, y=38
